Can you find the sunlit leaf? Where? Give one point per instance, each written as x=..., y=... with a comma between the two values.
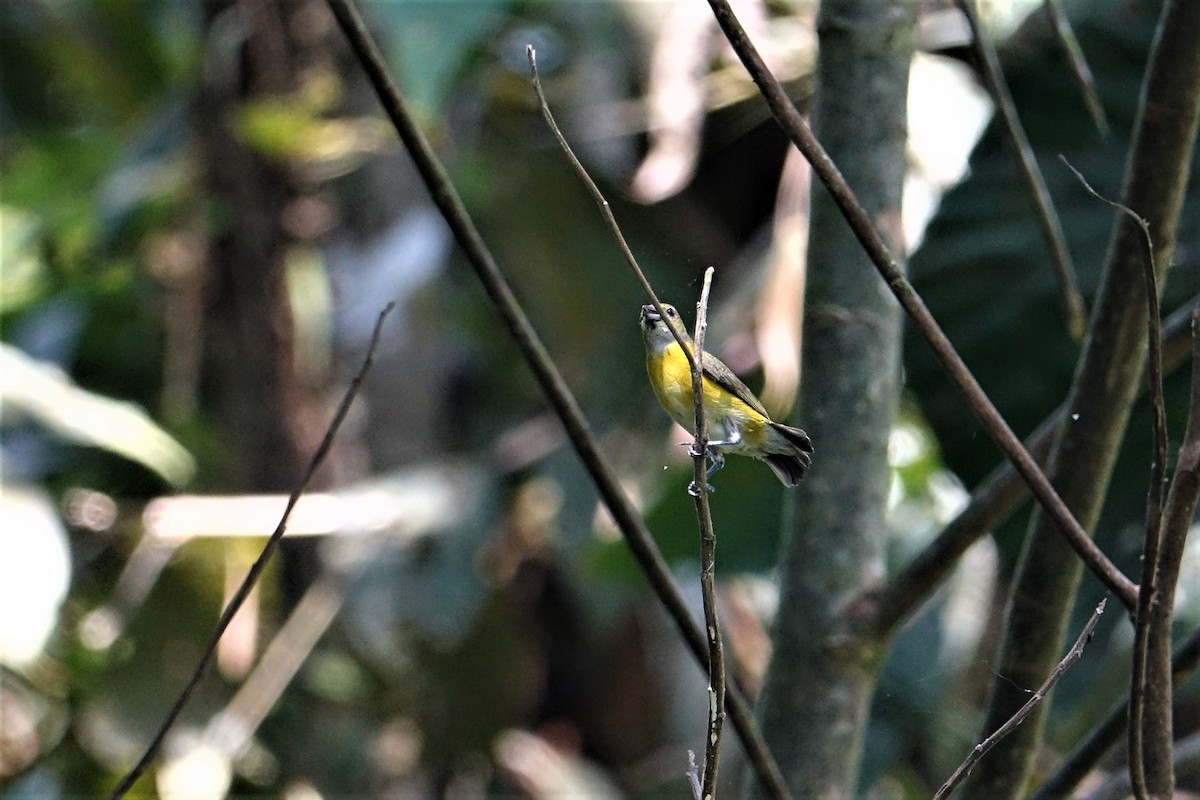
x=45, y=393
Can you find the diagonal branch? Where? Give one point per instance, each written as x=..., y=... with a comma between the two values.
x=1052, y=230
x=605, y=209
x=243, y=591
x=880, y=609
x=1089, y=752
x=801, y=135
x=981, y=749
x=1079, y=65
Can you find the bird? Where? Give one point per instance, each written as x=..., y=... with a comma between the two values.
x=735, y=419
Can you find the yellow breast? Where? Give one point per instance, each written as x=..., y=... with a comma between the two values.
x=671, y=378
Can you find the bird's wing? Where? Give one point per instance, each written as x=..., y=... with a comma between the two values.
x=723, y=376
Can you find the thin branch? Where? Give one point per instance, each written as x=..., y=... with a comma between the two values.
x=1051, y=226
x=602, y=203
x=1148, y=589
x=1155, y=741
x=708, y=546
x=243, y=591
x=1088, y=753
x=981, y=749
x=627, y=519
x=801, y=135
x=1079, y=65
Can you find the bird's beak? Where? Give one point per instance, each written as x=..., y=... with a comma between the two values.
x=650, y=316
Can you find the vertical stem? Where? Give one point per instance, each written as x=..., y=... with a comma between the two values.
x=820, y=680
x=708, y=547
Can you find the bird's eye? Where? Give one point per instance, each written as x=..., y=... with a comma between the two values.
x=670, y=312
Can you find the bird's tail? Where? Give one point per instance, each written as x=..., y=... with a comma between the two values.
x=791, y=454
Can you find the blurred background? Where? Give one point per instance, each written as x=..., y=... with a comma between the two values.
x=202, y=213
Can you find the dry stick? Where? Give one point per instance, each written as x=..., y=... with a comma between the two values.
x=716, y=657
x=708, y=546
x=856, y=216
x=879, y=610
x=243, y=591
x=1076, y=766
x=1016, y=719
x=1156, y=738
x=1079, y=65
x=1051, y=226
x=627, y=519
x=1148, y=589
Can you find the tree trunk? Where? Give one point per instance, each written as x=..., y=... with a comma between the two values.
x=819, y=683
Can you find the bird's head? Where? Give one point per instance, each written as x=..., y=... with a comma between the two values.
x=655, y=332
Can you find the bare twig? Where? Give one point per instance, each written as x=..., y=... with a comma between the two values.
x=601, y=202
x=1148, y=588
x=860, y=222
x=1101, y=738
x=1052, y=231
x=987, y=744
x=708, y=546
x=1079, y=65
x=627, y=519
x=243, y=591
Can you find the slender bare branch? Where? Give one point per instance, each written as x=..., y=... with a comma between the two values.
x=1100, y=739
x=981, y=749
x=256, y=569
x=801, y=135
x=1079, y=65
x=1052, y=231
x=708, y=546
x=627, y=519
x=605, y=209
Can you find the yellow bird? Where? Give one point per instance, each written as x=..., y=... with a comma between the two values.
x=736, y=421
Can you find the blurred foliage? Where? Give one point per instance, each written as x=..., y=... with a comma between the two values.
x=983, y=268
x=102, y=191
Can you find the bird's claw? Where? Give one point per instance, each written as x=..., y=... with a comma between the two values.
x=710, y=451
x=695, y=492
x=714, y=455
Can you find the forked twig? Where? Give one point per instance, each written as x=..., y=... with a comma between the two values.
x=981, y=749
x=243, y=591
